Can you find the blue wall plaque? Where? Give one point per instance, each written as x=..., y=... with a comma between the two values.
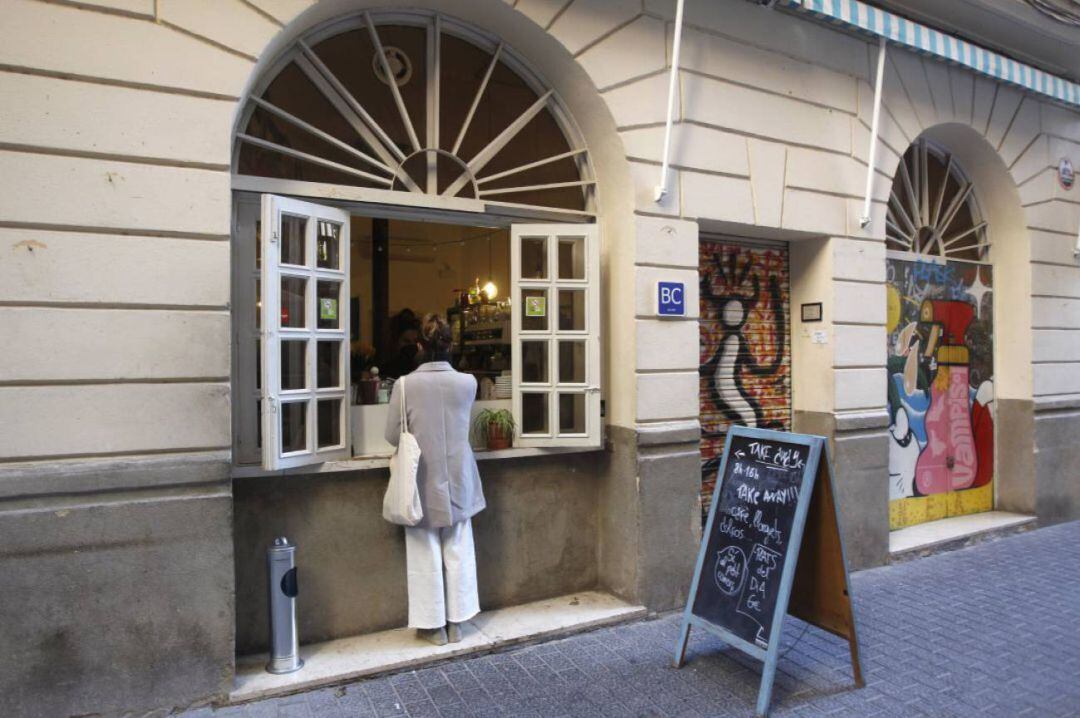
x=671, y=299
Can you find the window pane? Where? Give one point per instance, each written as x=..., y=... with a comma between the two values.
x=293, y=426
x=534, y=258
x=293, y=365
x=258, y=303
x=571, y=257
x=534, y=413
x=329, y=422
x=534, y=362
x=534, y=310
x=572, y=309
x=329, y=298
x=571, y=413
x=328, y=249
x=293, y=290
x=572, y=362
x=258, y=364
x=293, y=235
x=258, y=244
x=329, y=368
x=258, y=424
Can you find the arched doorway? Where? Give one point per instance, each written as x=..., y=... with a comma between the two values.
x=940, y=342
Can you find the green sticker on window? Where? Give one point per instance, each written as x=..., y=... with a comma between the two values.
x=327, y=308
x=535, y=306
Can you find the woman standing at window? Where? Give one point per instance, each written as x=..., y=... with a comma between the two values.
x=439, y=404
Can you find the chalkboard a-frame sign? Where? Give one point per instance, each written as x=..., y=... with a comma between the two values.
x=772, y=545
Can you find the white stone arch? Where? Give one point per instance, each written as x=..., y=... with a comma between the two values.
x=999, y=203
x=551, y=61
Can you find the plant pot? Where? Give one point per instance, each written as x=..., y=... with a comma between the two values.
x=369, y=391
x=496, y=439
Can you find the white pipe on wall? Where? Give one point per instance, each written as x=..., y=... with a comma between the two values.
x=872, y=159
x=661, y=189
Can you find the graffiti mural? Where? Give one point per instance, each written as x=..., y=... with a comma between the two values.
x=745, y=361
x=941, y=390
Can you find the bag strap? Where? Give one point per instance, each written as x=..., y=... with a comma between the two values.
x=404, y=412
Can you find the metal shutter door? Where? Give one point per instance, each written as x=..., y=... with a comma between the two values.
x=745, y=347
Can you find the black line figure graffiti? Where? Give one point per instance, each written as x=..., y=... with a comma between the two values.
x=732, y=360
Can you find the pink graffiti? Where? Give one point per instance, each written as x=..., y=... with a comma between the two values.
x=931, y=472
x=965, y=462
x=948, y=431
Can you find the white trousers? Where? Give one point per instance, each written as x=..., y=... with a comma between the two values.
x=436, y=597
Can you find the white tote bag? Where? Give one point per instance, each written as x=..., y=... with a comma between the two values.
x=401, y=505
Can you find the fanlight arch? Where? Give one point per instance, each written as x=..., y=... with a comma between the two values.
x=932, y=209
x=463, y=117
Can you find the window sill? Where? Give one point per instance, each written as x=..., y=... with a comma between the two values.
x=381, y=461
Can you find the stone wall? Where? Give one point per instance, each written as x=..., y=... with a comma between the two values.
x=537, y=538
x=118, y=587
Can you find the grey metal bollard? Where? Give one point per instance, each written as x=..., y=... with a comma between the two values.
x=281, y=572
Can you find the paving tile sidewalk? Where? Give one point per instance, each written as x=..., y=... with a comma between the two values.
x=991, y=630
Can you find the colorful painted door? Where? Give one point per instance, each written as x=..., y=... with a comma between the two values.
x=745, y=350
x=941, y=389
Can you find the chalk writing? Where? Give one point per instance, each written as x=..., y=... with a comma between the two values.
x=728, y=528
x=749, y=495
x=781, y=496
x=789, y=458
x=730, y=570
x=756, y=502
x=753, y=602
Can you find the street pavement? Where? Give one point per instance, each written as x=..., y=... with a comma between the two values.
x=990, y=630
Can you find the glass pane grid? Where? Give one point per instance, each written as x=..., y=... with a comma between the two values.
x=328, y=244
x=534, y=258
x=570, y=258
x=572, y=413
x=535, y=413
x=329, y=309
x=293, y=240
x=329, y=374
x=329, y=423
x=535, y=303
x=572, y=363
x=312, y=414
x=293, y=418
x=535, y=364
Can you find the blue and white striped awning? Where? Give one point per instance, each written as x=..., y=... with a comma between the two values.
x=876, y=22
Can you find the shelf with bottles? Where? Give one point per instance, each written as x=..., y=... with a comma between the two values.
x=482, y=359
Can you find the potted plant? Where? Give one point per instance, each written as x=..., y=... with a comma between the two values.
x=495, y=428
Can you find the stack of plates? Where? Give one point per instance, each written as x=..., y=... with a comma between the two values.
x=503, y=386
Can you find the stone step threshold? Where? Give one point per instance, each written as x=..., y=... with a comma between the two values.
x=955, y=532
x=346, y=659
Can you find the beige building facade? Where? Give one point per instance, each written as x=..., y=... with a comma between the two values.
x=135, y=534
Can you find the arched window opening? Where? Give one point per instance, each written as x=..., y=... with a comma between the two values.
x=932, y=209
x=417, y=103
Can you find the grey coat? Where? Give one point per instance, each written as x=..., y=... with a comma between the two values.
x=438, y=402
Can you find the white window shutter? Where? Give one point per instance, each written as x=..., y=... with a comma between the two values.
x=555, y=332
x=304, y=339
